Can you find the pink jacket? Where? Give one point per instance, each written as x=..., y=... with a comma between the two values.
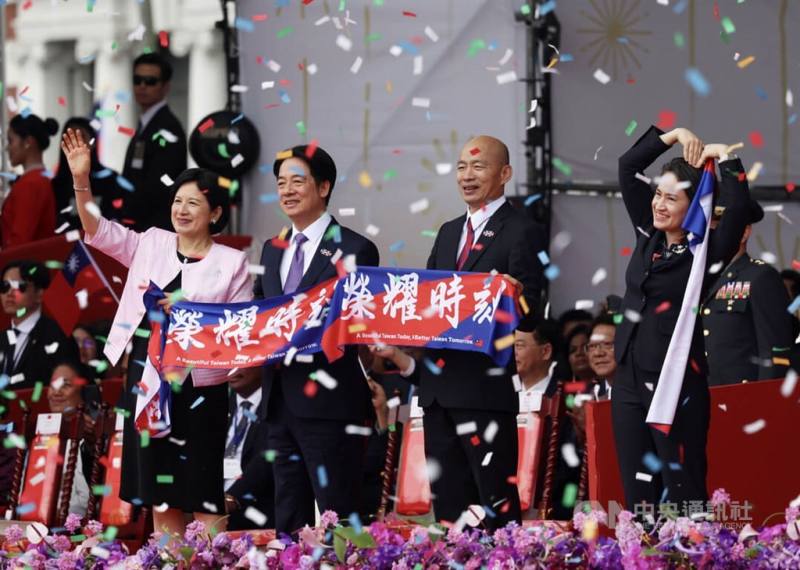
x=220, y=277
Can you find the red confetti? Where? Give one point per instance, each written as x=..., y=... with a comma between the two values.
x=307, y=2
x=475, y=441
x=742, y=176
x=796, y=265
x=512, y=480
x=311, y=148
x=279, y=243
x=695, y=367
x=259, y=59
x=503, y=316
x=625, y=251
x=663, y=307
x=574, y=387
x=62, y=101
x=27, y=4
x=142, y=387
x=716, y=10
x=397, y=152
x=409, y=14
x=284, y=83
x=127, y=131
x=631, y=80
x=790, y=186
x=474, y=150
x=260, y=17
x=756, y=139
x=207, y=124
x=417, y=40
x=440, y=363
x=666, y=119
x=310, y=389
x=505, y=507
x=163, y=39
x=271, y=106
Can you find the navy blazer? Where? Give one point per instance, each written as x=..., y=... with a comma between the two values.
x=351, y=400
x=655, y=291
x=509, y=243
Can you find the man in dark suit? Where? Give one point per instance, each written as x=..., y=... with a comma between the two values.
x=469, y=387
x=318, y=457
x=157, y=148
x=248, y=474
x=745, y=320
x=33, y=345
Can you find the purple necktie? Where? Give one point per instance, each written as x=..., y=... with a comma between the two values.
x=296, y=268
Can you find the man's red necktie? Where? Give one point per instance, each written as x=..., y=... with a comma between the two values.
x=462, y=257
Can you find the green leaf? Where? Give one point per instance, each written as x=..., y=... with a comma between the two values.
x=364, y=540
x=339, y=547
x=187, y=552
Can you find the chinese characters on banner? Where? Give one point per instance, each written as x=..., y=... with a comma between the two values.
x=372, y=305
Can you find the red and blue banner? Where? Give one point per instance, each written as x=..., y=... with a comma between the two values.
x=372, y=305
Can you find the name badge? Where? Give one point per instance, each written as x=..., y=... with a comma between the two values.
x=231, y=468
x=530, y=402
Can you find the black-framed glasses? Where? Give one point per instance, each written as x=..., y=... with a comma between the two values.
x=148, y=80
x=605, y=346
x=6, y=285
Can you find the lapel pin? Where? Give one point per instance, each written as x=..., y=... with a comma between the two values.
x=326, y=252
x=488, y=233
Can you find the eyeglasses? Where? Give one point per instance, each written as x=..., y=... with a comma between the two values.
x=148, y=80
x=604, y=346
x=6, y=285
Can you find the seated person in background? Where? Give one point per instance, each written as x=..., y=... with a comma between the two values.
x=248, y=475
x=87, y=345
x=34, y=343
x=386, y=365
x=573, y=318
x=71, y=385
x=576, y=341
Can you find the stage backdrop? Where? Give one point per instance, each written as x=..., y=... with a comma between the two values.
x=392, y=95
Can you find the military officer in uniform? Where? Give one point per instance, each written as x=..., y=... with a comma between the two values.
x=747, y=330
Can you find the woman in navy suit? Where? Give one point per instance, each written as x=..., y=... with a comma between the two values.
x=658, y=467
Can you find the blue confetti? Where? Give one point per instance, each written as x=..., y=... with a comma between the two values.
x=26, y=508
x=197, y=402
x=409, y=48
x=281, y=3
x=268, y=198
x=792, y=120
x=265, y=168
x=697, y=81
x=244, y=25
x=124, y=183
x=652, y=462
x=355, y=522
x=285, y=97
x=552, y=272
x=238, y=118
x=123, y=96
x=294, y=457
x=795, y=305
x=25, y=112
x=543, y=257
x=431, y=365
x=8, y=175
x=623, y=40
x=47, y=173
x=4, y=379
x=317, y=553
x=531, y=199
x=157, y=316
x=675, y=466
x=547, y=7
x=492, y=45
x=679, y=7
x=86, y=59
x=322, y=476
x=100, y=174
x=564, y=57
x=397, y=246
x=489, y=511
x=250, y=415
x=761, y=93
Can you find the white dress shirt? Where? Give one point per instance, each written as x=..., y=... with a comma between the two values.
x=314, y=233
x=148, y=115
x=255, y=401
x=479, y=219
x=24, y=333
x=530, y=399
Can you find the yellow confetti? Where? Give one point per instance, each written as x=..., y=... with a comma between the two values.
x=365, y=179
x=553, y=62
x=504, y=342
x=283, y=155
x=734, y=147
x=284, y=232
x=589, y=530
x=389, y=87
x=356, y=328
x=755, y=170
x=524, y=304
x=224, y=182
x=778, y=361
x=746, y=61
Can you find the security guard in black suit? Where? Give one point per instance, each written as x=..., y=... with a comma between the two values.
x=747, y=329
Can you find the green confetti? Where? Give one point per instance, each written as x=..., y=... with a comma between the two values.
x=618, y=319
x=110, y=533
x=21, y=311
x=631, y=127
x=301, y=127
x=373, y=38
x=342, y=5
x=77, y=537
x=124, y=412
x=102, y=490
x=101, y=366
x=177, y=295
x=475, y=47
x=525, y=9
x=392, y=427
x=389, y=174
x=104, y=114
x=9, y=394
x=142, y=333
x=679, y=40
x=377, y=3
x=562, y=166
x=234, y=188
x=428, y=233
x=570, y=495
x=165, y=479
x=52, y=264
x=284, y=32
x=222, y=150
x=147, y=49
x=37, y=392
x=145, y=438
x=270, y=455
x=570, y=402
x=114, y=45
x=728, y=26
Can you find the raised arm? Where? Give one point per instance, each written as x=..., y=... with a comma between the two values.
x=638, y=194
x=80, y=162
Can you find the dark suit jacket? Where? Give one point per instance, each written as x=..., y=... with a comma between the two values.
x=256, y=486
x=149, y=204
x=510, y=243
x=655, y=292
x=745, y=315
x=351, y=399
x=34, y=362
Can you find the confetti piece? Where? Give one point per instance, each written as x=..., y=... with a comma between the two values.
x=756, y=139
x=755, y=426
x=253, y=514
x=646, y=477
x=631, y=127
x=356, y=65
x=564, y=168
x=431, y=34
x=697, y=81
x=789, y=383
x=419, y=206
x=322, y=476
x=207, y=124
x=745, y=62
x=357, y=430
x=145, y=438
x=244, y=25
x=504, y=342
x=197, y=402
x=570, y=495
x=507, y=77
x=570, y=455
x=344, y=42
x=372, y=230
x=364, y=179
x=601, y=76
x=754, y=171
x=422, y=102
x=467, y=427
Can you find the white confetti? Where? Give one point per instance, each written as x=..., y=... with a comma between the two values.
x=38, y=478
x=755, y=426
x=87, y=87
x=83, y=298
x=646, y=477
x=372, y=230
x=789, y=98
x=466, y=427
x=167, y=136
x=256, y=269
x=253, y=514
x=419, y=206
x=716, y=267
x=344, y=42
x=237, y=160
x=267, y=85
x=50, y=348
x=351, y=429
x=506, y=56
x=443, y=168
x=599, y=148
x=210, y=506
x=769, y=257
x=323, y=20
x=584, y=304
x=422, y=102
x=789, y=383
x=431, y=34
x=274, y=66
x=101, y=552
x=643, y=178
x=490, y=432
x=166, y=180
x=312, y=68
x=599, y=276
x=93, y=210
x=601, y=76
x=396, y=51
x=239, y=88
x=570, y=455
x=417, y=65
x=487, y=459
x=507, y=77
x=632, y=315
x=326, y=379
x=356, y=65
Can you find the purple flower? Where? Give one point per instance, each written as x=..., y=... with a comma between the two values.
x=14, y=534
x=792, y=514
x=328, y=519
x=73, y=522
x=719, y=498
x=628, y=532
x=93, y=527
x=193, y=530
x=61, y=543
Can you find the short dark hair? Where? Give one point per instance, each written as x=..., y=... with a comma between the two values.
x=602, y=319
x=574, y=315
x=545, y=331
x=31, y=271
x=154, y=58
x=33, y=126
x=208, y=183
x=320, y=164
x=90, y=392
x=578, y=330
x=684, y=172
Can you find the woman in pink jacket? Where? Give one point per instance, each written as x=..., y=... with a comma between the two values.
x=177, y=467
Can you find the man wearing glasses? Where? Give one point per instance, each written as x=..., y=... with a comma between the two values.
x=31, y=347
x=157, y=148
